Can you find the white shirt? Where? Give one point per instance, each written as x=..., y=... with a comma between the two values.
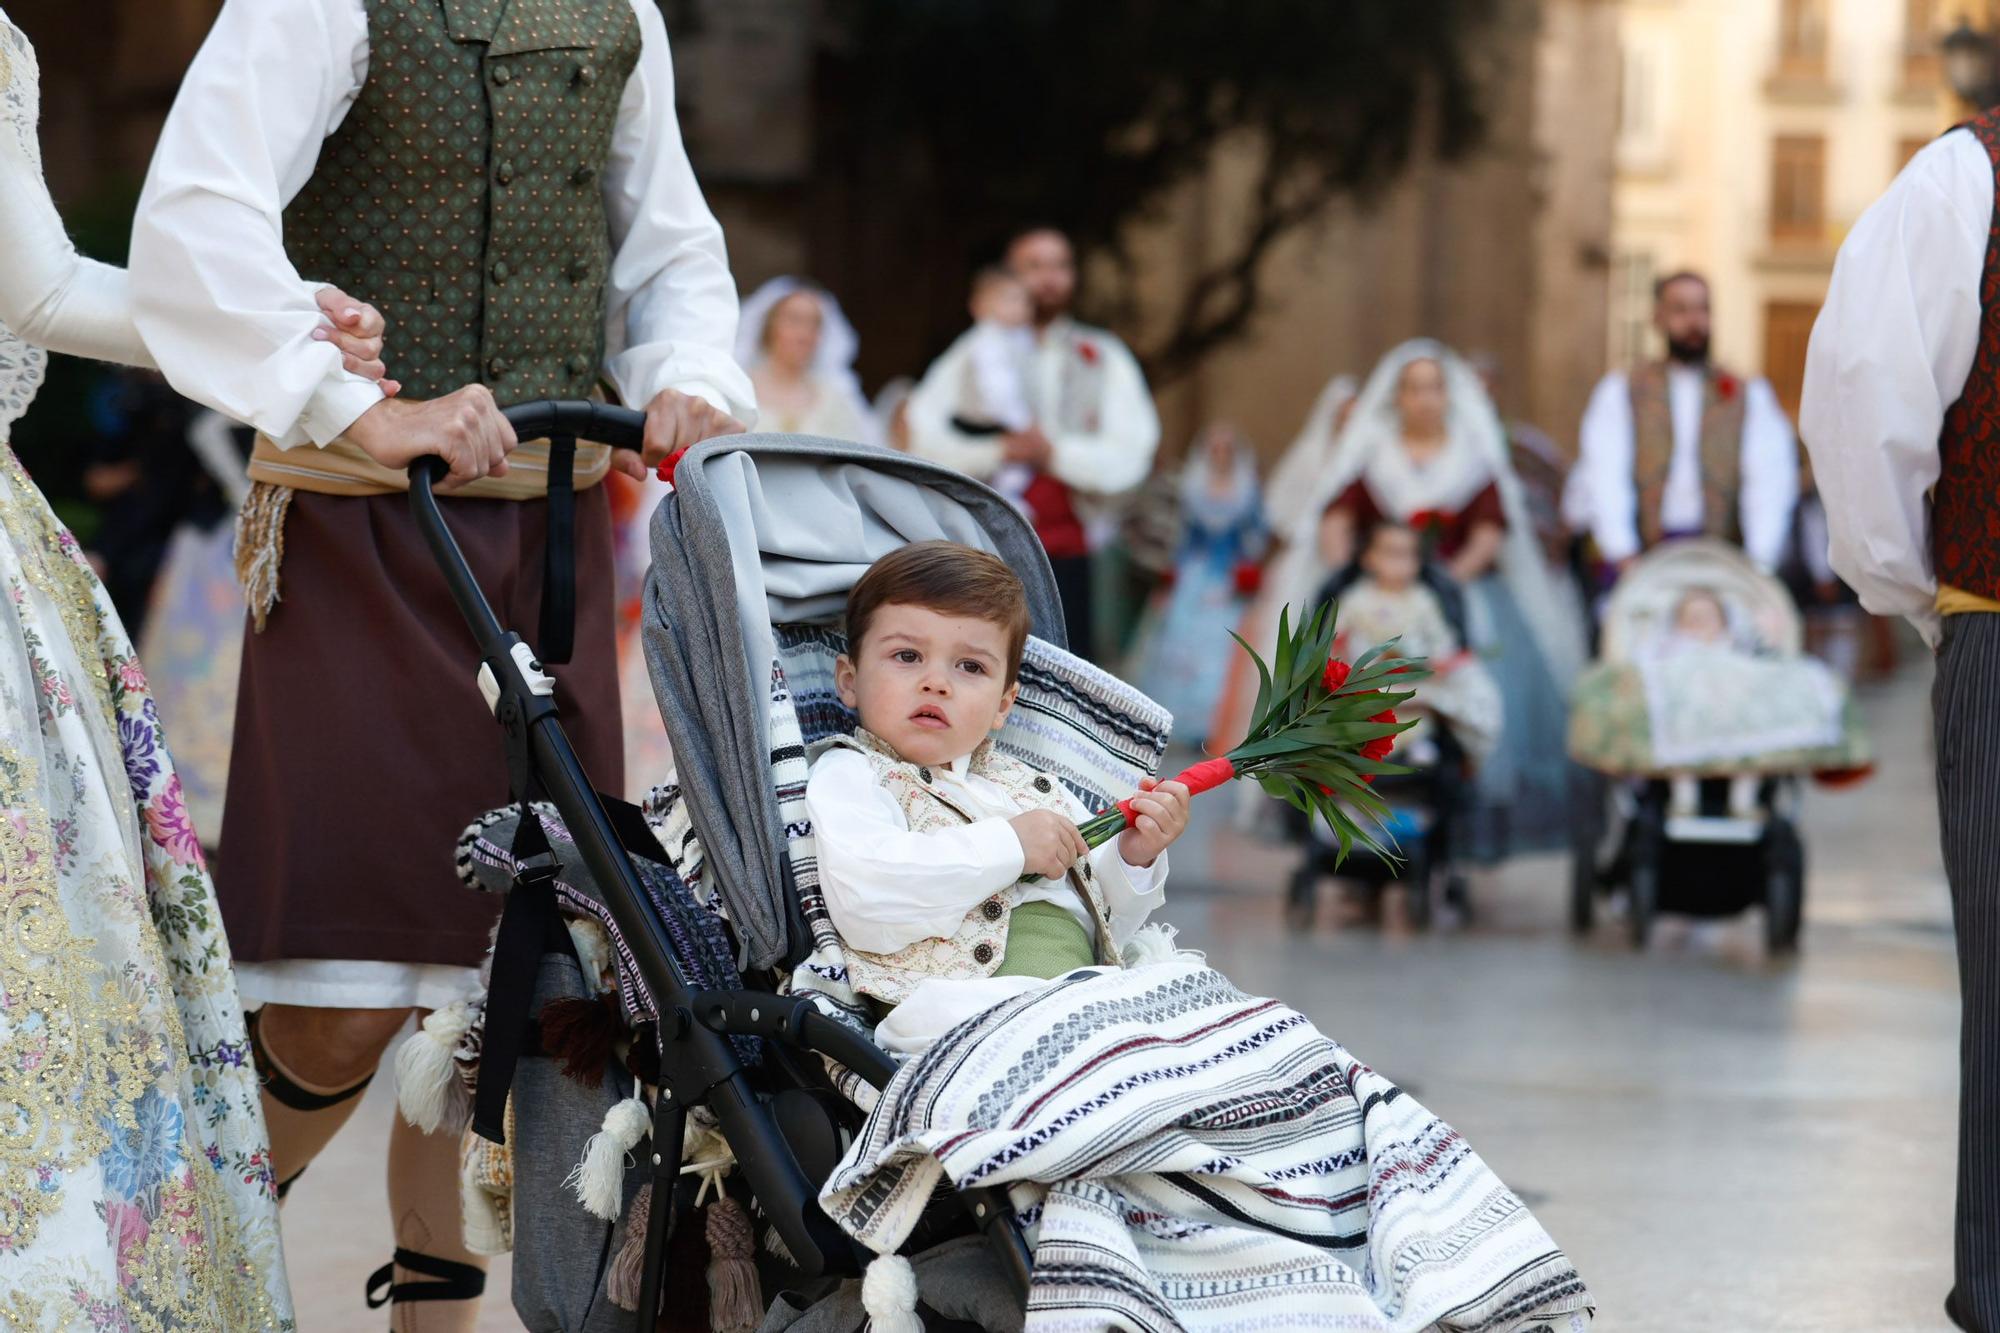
x=1769, y=484
x=230, y=322
x=1001, y=356
x=1105, y=463
x=1889, y=356
x=886, y=887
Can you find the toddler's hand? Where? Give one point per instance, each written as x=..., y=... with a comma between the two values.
x=1050, y=844
x=1160, y=815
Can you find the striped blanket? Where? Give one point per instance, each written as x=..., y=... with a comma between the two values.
x=1191, y=1157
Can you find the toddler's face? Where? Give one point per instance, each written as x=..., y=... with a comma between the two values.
x=1700, y=617
x=1003, y=301
x=931, y=685
x=1393, y=557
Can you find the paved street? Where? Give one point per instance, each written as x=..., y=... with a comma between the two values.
x=1720, y=1142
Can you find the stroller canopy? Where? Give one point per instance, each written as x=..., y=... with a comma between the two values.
x=767, y=530
x=1643, y=604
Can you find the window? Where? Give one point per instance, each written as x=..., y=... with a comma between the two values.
x=1787, y=330
x=1923, y=65
x=1632, y=308
x=1802, y=40
x=1798, y=189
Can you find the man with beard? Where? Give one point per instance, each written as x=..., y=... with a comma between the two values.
x=1684, y=448
x=1092, y=439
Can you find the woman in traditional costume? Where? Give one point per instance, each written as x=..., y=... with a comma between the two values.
x=799, y=350
x=1222, y=534
x=1424, y=446
x=135, y=1174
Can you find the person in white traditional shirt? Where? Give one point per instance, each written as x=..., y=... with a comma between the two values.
x=1094, y=434
x=1682, y=447
x=924, y=833
x=1900, y=414
x=509, y=183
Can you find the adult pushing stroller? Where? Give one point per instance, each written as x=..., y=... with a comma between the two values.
x=695, y=924
x=1695, y=728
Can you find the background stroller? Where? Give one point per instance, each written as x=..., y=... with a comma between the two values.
x=1429, y=803
x=1736, y=843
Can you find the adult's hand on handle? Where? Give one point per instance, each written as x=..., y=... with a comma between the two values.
x=674, y=421
x=465, y=428
x=356, y=328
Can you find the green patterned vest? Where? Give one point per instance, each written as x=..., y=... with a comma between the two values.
x=462, y=193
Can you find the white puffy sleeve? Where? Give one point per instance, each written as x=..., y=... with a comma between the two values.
x=1890, y=354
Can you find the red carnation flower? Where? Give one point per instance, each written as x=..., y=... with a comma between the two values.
x=1380, y=747
x=1725, y=387
x=1088, y=351
x=1336, y=674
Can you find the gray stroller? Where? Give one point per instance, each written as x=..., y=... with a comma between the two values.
x=667, y=1065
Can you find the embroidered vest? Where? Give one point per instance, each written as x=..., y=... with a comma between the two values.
x=976, y=948
x=1965, y=504
x=1719, y=450
x=461, y=193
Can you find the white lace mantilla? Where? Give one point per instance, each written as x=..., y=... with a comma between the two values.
x=21, y=366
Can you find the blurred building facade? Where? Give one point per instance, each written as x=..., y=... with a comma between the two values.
x=1752, y=134
x=1506, y=253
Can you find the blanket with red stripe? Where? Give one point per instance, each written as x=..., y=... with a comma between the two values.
x=1186, y=1156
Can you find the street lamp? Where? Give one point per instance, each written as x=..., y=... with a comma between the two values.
x=1970, y=64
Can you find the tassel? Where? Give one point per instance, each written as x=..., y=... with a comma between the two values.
x=580, y=1033
x=599, y=1179
x=621, y=1284
x=735, y=1302
x=1151, y=944
x=428, y=1087
x=260, y=547
x=889, y=1295
x=593, y=952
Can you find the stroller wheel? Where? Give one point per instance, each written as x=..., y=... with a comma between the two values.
x=1648, y=849
x=1416, y=882
x=1784, y=887
x=1587, y=802
x=1301, y=897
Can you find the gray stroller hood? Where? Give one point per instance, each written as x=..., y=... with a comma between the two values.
x=767, y=530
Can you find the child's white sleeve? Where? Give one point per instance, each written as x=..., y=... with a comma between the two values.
x=886, y=887
x=1130, y=892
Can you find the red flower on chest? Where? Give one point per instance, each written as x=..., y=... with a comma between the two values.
x=1087, y=352
x=1726, y=387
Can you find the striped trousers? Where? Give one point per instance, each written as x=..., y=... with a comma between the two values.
x=1966, y=704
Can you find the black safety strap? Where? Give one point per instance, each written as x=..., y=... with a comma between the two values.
x=530, y=926
x=558, y=636
x=454, y=1281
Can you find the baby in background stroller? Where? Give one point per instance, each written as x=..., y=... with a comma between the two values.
x=924, y=829
x=1699, y=722
x=1393, y=592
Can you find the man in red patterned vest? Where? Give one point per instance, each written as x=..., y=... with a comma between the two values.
x=1682, y=447
x=1902, y=417
x=1094, y=434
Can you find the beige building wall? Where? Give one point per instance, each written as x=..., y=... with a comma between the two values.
x=1752, y=134
x=1504, y=254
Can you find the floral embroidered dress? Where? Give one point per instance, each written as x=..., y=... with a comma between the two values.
x=135, y=1181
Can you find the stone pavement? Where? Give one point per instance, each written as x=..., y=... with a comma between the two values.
x=1721, y=1142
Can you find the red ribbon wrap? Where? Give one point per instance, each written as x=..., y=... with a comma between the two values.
x=1198, y=778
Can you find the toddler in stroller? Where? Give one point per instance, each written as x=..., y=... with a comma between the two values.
x=1140, y=1146
x=1697, y=726
x=924, y=828
x=1394, y=593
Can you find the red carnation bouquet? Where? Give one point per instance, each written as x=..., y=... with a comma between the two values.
x=1321, y=733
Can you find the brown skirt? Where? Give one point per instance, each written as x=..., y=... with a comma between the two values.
x=363, y=747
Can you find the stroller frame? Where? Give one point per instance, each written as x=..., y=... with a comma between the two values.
x=698, y=1065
